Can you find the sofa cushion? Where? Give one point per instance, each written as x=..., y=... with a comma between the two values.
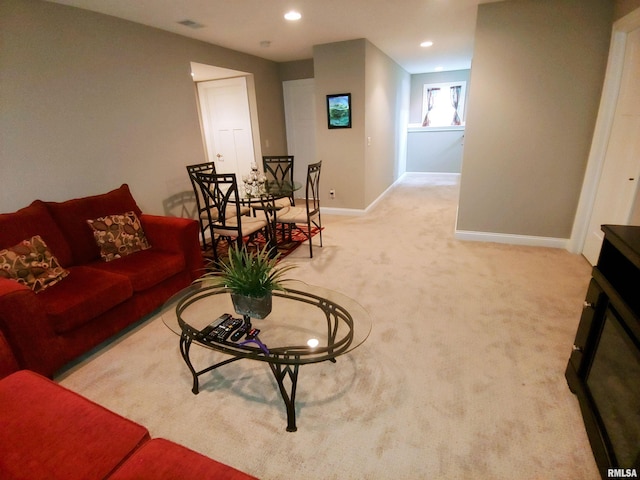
x=84, y=294
x=118, y=235
x=162, y=459
x=47, y=431
x=31, y=263
x=34, y=220
x=144, y=269
x=72, y=215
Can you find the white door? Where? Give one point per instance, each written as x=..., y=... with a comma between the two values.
x=226, y=122
x=300, y=118
x=618, y=185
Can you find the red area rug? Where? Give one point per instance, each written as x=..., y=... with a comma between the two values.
x=286, y=245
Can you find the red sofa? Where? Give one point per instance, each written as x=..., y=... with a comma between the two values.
x=96, y=299
x=48, y=431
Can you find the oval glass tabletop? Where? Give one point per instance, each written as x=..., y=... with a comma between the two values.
x=307, y=323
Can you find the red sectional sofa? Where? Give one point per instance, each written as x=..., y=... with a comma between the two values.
x=96, y=299
x=48, y=431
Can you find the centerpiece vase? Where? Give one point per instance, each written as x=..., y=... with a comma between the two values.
x=254, y=307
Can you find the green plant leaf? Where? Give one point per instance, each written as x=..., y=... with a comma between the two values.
x=250, y=273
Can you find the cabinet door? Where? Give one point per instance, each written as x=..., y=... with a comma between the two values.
x=595, y=301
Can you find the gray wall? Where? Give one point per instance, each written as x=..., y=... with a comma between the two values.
x=297, y=70
x=535, y=86
x=434, y=151
x=623, y=7
x=339, y=68
x=89, y=102
x=357, y=171
x=386, y=118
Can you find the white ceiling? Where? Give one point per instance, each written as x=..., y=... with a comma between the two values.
x=396, y=27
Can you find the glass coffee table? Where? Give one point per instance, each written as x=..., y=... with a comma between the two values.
x=307, y=324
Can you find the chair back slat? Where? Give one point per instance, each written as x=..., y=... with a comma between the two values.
x=221, y=192
x=201, y=204
x=224, y=212
x=279, y=170
x=313, y=188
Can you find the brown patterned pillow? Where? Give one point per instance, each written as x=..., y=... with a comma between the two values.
x=118, y=235
x=32, y=264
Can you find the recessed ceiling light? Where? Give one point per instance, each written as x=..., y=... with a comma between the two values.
x=438, y=69
x=292, y=16
x=426, y=44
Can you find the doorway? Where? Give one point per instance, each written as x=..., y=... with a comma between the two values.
x=610, y=191
x=616, y=195
x=228, y=116
x=300, y=118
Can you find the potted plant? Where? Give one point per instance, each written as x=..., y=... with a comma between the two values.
x=251, y=277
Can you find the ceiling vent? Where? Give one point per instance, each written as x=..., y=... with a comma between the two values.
x=191, y=24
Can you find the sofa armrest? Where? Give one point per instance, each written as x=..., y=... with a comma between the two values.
x=162, y=459
x=49, y=431
x=174, y=234
x=25, y=325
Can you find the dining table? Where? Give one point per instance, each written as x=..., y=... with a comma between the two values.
x=263, y=197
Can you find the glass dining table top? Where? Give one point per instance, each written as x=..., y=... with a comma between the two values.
x=267, y=191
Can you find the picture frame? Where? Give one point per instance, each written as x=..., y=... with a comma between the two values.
x=339, y=110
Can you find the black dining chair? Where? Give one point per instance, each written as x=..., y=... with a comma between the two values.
x=201, y=203
x=203, y=207
x=225, y=216
x=309, y=215
x=278, y=171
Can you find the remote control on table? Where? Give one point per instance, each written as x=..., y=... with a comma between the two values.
x=209, y=328
x=222, y=332
x=253, y=333
x=237, y=335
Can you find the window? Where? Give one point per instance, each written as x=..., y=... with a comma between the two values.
x=443, y=104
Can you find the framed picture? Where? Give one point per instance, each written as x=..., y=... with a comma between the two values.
x=339, y=110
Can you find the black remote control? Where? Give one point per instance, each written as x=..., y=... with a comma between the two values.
x=240, y=332
x=253, y=333
x=209, y=328
x=222, y=332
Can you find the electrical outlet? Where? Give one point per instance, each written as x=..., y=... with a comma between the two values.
x=332, y=194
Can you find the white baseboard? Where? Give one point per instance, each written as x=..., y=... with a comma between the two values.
x=354, y=212
x=526, y=240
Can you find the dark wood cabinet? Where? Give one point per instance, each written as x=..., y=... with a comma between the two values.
x=604, y=366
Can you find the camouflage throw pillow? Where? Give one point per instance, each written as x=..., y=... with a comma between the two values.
x=31, y=263
x=118, y=235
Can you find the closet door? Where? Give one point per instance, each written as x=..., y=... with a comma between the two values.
x=300, y=117
x=617, y=192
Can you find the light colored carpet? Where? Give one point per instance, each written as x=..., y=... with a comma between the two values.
x=462, y=376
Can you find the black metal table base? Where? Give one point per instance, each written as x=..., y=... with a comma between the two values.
x=282, y=373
